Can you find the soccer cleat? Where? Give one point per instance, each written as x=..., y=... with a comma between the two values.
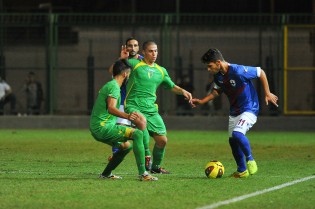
x=147, y=177
x=160, y=171
x=148, y=163
x=243, y=174
x=252, y=167
x=111, y=176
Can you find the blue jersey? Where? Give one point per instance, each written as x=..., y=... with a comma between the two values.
x=123, y=88
x=238, y=87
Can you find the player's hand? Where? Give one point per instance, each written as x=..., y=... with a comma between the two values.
x=195, y=102
x=133, y=116
x=138, y=119
x=124, y=54
x=271, y=98
x=187, y=95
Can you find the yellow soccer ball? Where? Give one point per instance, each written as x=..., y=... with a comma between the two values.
x=214, y=169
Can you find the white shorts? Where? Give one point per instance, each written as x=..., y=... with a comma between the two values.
x=123, y=121
x=241, y=123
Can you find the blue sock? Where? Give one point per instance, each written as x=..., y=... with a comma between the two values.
x=237, y=154
x=243, y=142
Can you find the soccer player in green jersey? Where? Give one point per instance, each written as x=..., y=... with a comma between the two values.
x=103, y=125
x=146, y=76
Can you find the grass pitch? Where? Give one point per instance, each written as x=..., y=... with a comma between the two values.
x=60, y=168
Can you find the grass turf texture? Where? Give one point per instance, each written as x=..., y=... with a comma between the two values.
x=60, y=168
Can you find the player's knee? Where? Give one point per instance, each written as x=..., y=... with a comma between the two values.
x=140, y=122
x=128, y=149
x=125, y=146
x=160, y=140
x=137, y=135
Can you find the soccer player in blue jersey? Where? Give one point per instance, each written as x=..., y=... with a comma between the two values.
x=235, y=81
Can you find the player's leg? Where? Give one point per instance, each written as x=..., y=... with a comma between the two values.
x=158, y=154
x=243, y=124
x=117, y=158
x=123, y=122
x=156, y=126
x=113, y=135
x=146, y=138
x=146, y=144
x=142, y=125
x=125, y=147
x=138, y=149
x=237, y=152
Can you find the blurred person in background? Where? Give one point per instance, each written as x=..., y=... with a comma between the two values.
x=6, y=96
x=34, y=94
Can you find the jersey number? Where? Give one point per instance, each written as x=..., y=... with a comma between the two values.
x=241, y=122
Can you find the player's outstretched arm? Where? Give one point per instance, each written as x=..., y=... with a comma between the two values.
x=269, y=97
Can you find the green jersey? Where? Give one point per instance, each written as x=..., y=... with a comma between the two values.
x=143, y=83
x=100, y=117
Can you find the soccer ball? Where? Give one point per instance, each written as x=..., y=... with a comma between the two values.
x=214, y=169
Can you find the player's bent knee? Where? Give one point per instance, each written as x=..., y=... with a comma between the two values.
x=137, y=135
x=160, y=140
x=126, y=146
x=140, y=122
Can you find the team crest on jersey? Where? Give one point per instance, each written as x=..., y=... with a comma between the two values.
x=150, y=73
x=232, y=82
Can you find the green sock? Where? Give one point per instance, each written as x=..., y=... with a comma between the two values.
x=138, y=150
x=158, y=155
x=118, y=157
x=146, y=142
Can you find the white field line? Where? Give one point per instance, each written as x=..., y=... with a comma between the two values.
x=243, y=197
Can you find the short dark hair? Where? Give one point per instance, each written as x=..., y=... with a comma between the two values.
x=147, y=43
x=212, y=55
x=129, y=39
x=121, y=66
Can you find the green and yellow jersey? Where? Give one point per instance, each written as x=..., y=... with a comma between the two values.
x=143, y=83
x=100, y=116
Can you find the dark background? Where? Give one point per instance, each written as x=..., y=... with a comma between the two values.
x=162, y=6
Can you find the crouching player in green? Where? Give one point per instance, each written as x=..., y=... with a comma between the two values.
x=104, y=129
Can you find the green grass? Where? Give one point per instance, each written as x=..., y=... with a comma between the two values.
x=59, y=169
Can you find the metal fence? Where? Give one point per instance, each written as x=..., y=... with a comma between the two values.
x=70, y=53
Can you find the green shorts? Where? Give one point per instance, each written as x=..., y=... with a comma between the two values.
x=113, y=135
x=155, y=123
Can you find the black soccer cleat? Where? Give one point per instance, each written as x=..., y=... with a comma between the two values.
x=160, y=171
